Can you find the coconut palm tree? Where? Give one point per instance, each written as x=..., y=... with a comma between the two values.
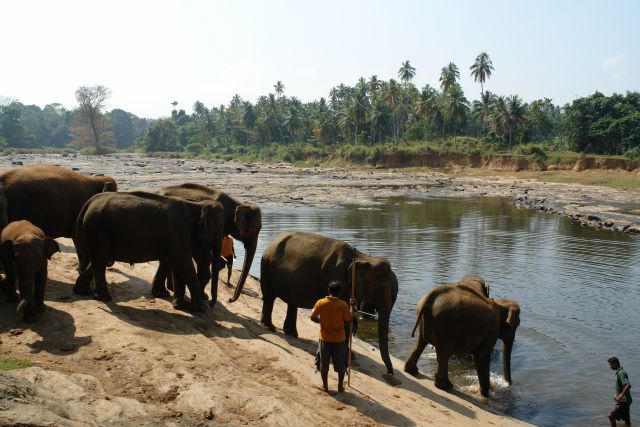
x=481, y=69
x=449, y=76
x=455, y=106
x=406, y=73
x=374, y=84
x=481, y=108
x=516, y=111
x=279, y=87
x=425, y=106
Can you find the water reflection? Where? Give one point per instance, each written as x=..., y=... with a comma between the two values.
x=577, y=288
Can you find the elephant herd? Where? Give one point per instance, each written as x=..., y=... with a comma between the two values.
x=183, y=224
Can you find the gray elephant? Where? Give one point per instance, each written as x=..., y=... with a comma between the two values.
x=138, y=227
x=24, y=250
x=476, y=283
x=459, y=320
x=242, y=221
x=297, y=266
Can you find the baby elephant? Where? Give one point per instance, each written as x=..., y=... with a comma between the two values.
x=24, y=250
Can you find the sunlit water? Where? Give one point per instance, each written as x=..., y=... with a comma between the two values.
x=578, y=289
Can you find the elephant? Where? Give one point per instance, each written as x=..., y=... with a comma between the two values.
x=242, y=221
x=459, y=320
x=297, y=266
x=138, y=227
x=25, y=250
x=50, y=197
x=476, y=283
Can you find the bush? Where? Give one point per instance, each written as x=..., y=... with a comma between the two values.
x=633, y=153
x=532, y=151
x=194, y=148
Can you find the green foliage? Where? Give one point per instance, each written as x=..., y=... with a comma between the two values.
x=633, y=153
x=10, y=364
x=532, y=152
x=194, y=148
x=604, y=124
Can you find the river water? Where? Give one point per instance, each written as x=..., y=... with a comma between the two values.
x=578, y=290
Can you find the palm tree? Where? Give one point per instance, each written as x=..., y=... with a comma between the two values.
x=425, y=105
x=482, y=108
x=374, y=84
x=455, y=106
x=449, y=76
x=406, y=73
x=498, y=116
x=279, y=87
x=481, y=69
x=516, y=111
x=392, y=98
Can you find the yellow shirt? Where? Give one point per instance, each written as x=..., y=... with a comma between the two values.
x=226, y=250
x=333, y=312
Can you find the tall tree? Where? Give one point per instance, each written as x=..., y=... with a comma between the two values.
x=406, y=73
x=481, y=69
x=449, y=76
x=279, y=88
x=515, y=114
x=91, y=103
x=455, y=106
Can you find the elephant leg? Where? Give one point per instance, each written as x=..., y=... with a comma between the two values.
x=40, y=286
x=99, y=275
x=83, y=282
x=411, y=364
x=83, y=263
x=9, y=283
x=214, y=291
x=179, y=301
x=442, y=370
x=158, y=289
x=268, y=298
x=184, y=273
x=482, y=361
x=290, y=321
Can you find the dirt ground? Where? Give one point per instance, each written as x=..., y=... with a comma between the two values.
x=137, y=361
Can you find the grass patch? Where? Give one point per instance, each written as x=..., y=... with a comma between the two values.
x=9, y=364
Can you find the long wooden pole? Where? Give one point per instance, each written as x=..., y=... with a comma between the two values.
x=353, y=294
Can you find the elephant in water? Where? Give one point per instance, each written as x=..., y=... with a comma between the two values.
x=138, y=227
x=297, y=267
x=461, y=320
x=243, y=222
x=24, y=252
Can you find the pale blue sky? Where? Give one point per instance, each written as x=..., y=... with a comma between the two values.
x=150, y=53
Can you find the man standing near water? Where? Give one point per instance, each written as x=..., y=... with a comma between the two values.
x=332, y=313
x=622, y=397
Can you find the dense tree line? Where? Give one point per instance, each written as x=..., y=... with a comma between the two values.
x=369, y=113
x=29, y=126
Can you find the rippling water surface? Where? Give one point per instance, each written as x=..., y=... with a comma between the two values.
x=579, y=291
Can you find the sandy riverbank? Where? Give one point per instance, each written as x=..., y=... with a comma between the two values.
x=138, y=361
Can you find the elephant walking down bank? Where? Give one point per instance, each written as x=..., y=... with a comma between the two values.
x=139, y=227
x=462, y=320
x=297, y=267
x=242, y=221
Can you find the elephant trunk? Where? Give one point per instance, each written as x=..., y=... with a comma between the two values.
x=27, y=305
x=383, y=337
x=249, y=252
x=507, y=346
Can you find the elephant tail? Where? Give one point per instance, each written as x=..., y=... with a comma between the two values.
x=417, y=323
x=81, y=250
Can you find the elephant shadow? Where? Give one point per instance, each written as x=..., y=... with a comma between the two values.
x=56, y=328
x=373, y=368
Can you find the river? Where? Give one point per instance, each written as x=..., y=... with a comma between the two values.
x=577, y=288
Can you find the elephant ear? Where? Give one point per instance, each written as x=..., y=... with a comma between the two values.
x=6, y=250
x=248, y=220
x=204, y=216
x=109, y=187
x=50, y=247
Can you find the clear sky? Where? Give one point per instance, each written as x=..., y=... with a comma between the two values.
x=150, y=53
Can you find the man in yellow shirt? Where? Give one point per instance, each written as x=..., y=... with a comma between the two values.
x=228, y=254
x=332, y=313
